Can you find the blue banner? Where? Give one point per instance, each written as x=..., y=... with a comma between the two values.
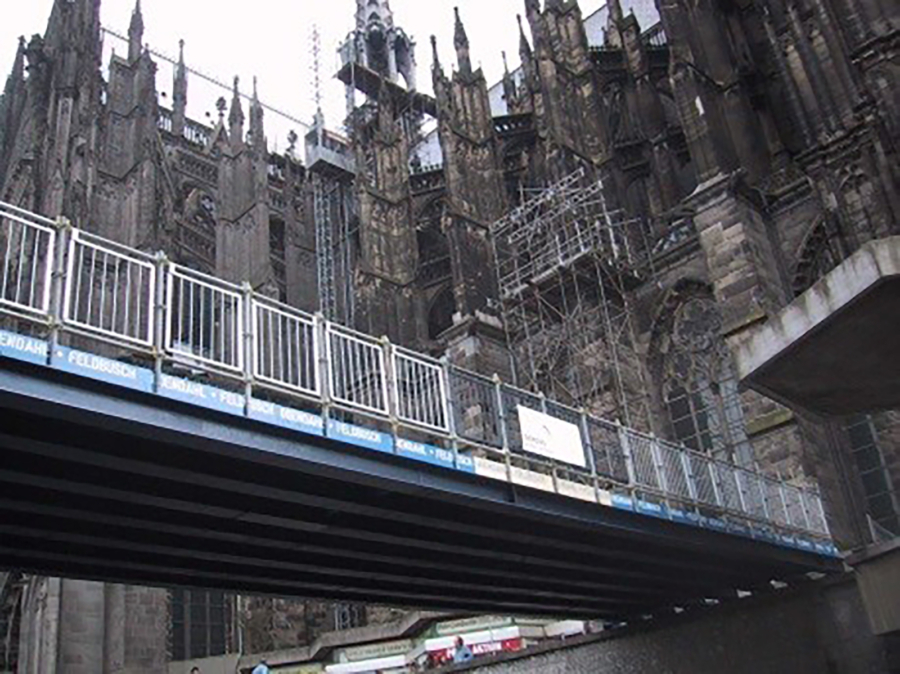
x=194, y=392
x=622, y=502
x=652, y=509
x=103, y=369
x=20, y=347
x=361, y=437
x=465, y=464
x=418, y=451
x=286, y=417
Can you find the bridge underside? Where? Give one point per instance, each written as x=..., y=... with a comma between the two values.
x=124, y=487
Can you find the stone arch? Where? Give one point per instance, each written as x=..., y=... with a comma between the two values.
x=698, y=386
x=440, y=312
x=196, y=233
x=433, y=245
x=823, y=249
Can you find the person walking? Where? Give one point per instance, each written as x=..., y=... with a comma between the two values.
x=463, y=653
x=262, y=668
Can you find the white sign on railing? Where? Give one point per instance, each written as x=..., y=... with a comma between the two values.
x=550, y=437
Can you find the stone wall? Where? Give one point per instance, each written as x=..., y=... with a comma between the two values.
x=820, y=629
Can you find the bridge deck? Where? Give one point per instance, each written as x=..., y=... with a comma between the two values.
x=101, y=482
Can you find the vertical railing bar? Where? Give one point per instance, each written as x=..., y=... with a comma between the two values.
x=61, y=282
x=89, y=311
x=127, y=317
x=22, y=239
x=504, y=431
x=451, y=417
x=115, y=296
x=81, y=279
x=6, y=258
x=49, y=268
x=714, y=482
x=35, y=259
x=740, y=492
x=589, y=449
x=101, y=309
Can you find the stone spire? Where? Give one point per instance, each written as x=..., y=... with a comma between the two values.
x=179, y=93
x=18, y=70
x=524, y=46
x=135, y=33
x=257, y=132
x=509, y=84
x=370, y=11
x=461, y=42
x=236, y=118
x=436, y=61
x=615, y=11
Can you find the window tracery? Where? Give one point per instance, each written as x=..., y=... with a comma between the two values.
x=701, y=393
x=825, y=249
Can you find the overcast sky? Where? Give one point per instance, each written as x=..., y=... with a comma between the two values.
x=271, y=40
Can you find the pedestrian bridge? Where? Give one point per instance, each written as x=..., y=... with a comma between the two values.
x=161, y=426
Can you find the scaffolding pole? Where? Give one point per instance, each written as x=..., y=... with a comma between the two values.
x=324, y=249
x=565, y=263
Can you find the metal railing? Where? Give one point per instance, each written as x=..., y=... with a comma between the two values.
x=68, y=281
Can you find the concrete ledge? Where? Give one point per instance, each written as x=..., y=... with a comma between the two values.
x=835, y=349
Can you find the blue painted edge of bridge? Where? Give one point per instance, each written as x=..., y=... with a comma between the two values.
x=35, y=351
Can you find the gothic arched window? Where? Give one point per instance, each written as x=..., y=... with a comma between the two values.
x=825, y=249
x=701, y=392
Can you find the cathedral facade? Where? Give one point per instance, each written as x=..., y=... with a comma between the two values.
x=604, y=225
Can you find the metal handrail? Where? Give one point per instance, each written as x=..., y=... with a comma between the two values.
x=226, y=330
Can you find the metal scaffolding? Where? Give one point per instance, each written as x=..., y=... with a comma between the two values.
x=565, y=265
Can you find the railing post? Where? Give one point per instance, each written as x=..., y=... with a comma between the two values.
x=626, y=452
x=553, y=471
x=714, y=481
x=658, y=466
x=323, y=366
x=740, y=491
x=57, y=285
x=589, y=448
x=787, y=512
x=826, y=530
x=249, y=345
x=393, y=403
x=504, y=431
x=763, y=495
x=689, y=478
x=450, y=408
x=160, y=315
x=804, y=509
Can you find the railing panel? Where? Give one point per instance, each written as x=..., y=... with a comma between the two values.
x=286, y=348
x=421, y=398
x=205, y=320
x=27, y=246
x=702, y=468
x=475, y=408
x=357, y=372
x=794, y=504
x=110, y=290
x=641, y=447
x=677, y=482
x=512, y=398
x=775, y=502
x=726, y=481
x=750, y=484
x=571, y=416
x=815, y=512
x=605, y=443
